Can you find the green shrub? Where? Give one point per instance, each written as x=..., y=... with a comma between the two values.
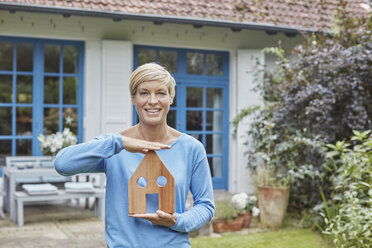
x=225, y=211
x=348, y=214
x=317, y=97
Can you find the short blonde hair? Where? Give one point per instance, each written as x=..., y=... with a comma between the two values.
x=151, y=72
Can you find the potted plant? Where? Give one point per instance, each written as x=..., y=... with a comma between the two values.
x=272, y=199
x=271, y=177
x=226, y=218
x=52, y=144
x=247, y=205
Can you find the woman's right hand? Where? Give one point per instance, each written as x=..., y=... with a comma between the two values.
x=142, y=146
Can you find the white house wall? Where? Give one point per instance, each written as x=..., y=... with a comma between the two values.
x=105, y=38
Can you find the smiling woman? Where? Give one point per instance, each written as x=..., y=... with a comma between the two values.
x=152, y=90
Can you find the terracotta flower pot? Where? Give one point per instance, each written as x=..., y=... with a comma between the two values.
x=273, y=203
x=220, y=226
x=247, y=218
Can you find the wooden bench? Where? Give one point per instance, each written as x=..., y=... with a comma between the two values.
x=22, y=197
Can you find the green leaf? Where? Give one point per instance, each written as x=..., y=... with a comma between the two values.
x=331, y=146
x=332, y=154
x=365, y=184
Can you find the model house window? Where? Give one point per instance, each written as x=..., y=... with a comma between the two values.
x=201, y=105
x=40, y=92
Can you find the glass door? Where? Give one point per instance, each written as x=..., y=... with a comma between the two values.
x=204, y=115
x=200, y=108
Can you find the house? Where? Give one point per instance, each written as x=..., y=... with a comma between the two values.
x=151, y=177
x=67, y=64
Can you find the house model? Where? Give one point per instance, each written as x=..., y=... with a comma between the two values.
x=159, y=181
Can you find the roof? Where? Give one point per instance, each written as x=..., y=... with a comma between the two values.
x=274, y=15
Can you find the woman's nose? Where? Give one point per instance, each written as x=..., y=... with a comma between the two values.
x=153, y=98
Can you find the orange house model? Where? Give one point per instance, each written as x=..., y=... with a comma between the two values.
x=152, y=169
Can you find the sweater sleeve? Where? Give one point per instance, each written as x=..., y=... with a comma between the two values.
x=89, y=156
x=202, y=191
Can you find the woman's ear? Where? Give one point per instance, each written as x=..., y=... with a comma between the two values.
x=133, y=100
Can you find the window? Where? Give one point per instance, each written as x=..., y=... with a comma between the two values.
x=40, y=92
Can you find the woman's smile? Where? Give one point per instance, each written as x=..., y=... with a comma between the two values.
x=153, y=110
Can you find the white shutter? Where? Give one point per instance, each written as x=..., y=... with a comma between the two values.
x=246, y=76
x=247, y=66
x=117, y=57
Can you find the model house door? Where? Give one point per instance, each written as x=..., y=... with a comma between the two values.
x=200, y=108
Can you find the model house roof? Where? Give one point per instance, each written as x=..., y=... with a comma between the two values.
x=269, y=15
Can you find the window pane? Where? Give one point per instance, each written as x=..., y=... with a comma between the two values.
x=23, y=147
x=6, y=56
x=194, y=120
x=70, y=90
x=24, y=89
x=214, y=98
x=214, y=120
x=24, y=121
x=70, y=59
x=171, y=118
x=214, y=65
x=70, y=119
x=6, y=88
x=51, y=58
x=5, y=148
x=194, y=97
x=174, y=99
x=51, y=120
x=195, y=63
x=214, y=144
x=25, y=56
x=146, y=56
x=5, y=121
x=51, y=90
x=215, y=164
x=168, y=59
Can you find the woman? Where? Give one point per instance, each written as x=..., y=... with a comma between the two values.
x=152, y=90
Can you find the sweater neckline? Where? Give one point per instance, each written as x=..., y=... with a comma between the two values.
x=179, y=137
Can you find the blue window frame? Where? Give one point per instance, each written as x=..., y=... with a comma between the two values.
x=41, y=85
x=201, y=107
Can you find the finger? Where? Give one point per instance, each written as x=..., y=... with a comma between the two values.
x=144, y=151
x=163, y=146
x=153, y=148
x=143, y=215
x=162, y=214
x=158, y=146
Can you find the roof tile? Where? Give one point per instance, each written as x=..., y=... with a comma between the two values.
x=293, y=13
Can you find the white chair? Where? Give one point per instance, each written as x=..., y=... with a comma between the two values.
x=2, y=215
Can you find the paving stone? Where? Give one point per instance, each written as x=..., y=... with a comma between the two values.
x=63, y=225
x=53, y=225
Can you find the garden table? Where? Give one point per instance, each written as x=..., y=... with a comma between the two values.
x=9, y=185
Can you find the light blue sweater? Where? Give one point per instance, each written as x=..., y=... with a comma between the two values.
x=187, y=162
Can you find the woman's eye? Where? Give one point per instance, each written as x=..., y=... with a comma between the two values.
x=143, y=93
x=162, y=93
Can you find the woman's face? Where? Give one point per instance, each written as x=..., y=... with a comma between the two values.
x=152, y=102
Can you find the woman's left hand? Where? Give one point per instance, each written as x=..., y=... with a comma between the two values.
x=159, y=218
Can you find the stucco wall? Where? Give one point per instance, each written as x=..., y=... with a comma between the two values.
x=97, y=33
